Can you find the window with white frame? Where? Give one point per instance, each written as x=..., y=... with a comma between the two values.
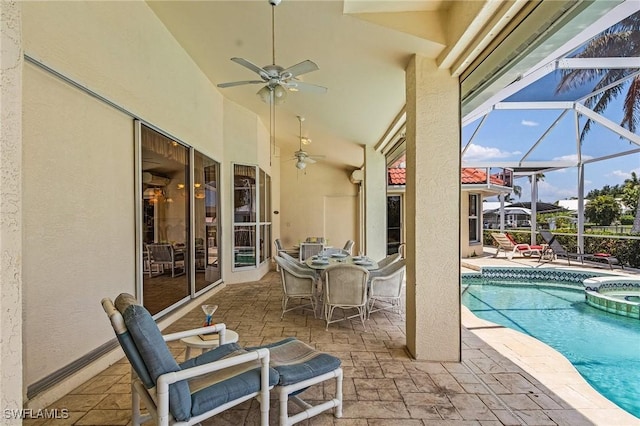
x=474, y=218
x=251, y=216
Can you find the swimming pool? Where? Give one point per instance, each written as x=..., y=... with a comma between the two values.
x=603, y=347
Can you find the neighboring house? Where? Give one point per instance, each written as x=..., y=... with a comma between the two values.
x=476, y=184
x=571, y=205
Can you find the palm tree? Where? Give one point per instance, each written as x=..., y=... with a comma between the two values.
x=517, y=190
x=620, y=40
x=629, y=185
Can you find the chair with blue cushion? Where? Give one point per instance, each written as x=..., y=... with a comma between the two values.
x=299, y=366
x=197, y=389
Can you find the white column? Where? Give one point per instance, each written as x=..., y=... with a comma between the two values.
x=433, y=212
x=502, y=212
x=581, y=208
x=375, y=203
x=534, y=207
x=11, y=209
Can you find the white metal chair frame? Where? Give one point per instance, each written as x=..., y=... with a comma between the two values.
x=310, y=249
x=345, y=287
x=297, y=283
x=386, y=287
x=156, y=400
x=165, y=255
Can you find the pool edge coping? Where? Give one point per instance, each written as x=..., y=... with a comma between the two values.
x=498, y=338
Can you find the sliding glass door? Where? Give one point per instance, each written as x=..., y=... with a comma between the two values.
x=206, y=228
x=179, y=234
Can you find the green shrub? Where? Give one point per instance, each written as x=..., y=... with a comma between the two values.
x=626, y=219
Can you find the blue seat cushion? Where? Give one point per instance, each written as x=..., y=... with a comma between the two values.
x=296, y=361
x=154, y=352
x=220, y=387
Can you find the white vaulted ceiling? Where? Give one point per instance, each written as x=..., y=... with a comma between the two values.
x=361, y=47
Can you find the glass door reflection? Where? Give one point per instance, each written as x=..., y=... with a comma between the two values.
x=206, y=202
x=165, y=221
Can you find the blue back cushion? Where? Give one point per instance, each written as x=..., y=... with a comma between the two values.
x=135, y=359
x=156, y=356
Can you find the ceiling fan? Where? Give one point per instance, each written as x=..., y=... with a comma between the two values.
x=278, y=79
x=302, y=157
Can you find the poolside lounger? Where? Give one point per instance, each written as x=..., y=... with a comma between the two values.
x=510, y=247
x=556, y=249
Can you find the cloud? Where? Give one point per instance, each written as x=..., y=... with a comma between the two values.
x=572, y=157
x=483, y=153
x=529, y=123
x=623, y=174
x=551, y=193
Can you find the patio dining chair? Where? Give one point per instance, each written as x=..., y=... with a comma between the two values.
x=165, y=255
x=385, y=288
x=348, y=246
x=310, y=249
x=297, y=283
x=388, y=260
x=345, y=287
x=197, y=389
x=280, y=249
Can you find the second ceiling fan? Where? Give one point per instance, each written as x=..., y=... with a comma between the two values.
x=302, y=157
x=278, y=79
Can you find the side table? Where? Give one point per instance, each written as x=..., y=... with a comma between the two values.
x=204, y=345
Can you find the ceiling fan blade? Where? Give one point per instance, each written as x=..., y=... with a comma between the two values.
x=308, y=160
x=253, y=67
x=240, y=83
x=305, y=87
x=301, y=68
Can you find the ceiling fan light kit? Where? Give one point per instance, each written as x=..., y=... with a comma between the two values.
x=278, y=79
x=277, y=82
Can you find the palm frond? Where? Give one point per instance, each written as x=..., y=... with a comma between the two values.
x=631, y=106
x=620, y=40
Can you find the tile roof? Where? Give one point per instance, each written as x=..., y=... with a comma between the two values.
x=397, y=176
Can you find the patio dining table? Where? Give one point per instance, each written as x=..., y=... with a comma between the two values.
x=320, y=263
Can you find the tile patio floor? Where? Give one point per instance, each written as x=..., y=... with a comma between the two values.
x=382, y=384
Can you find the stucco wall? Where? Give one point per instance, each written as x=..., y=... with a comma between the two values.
x=321, y=199
x=78, y=220
x=246, y=141
x=78, y=163
x=11, y=279
x=433, y=212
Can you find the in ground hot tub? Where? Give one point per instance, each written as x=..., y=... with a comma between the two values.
x=618, y=295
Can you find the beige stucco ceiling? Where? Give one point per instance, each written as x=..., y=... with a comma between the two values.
x=360, y=46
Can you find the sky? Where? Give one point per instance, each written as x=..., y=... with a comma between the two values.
x=507, y=135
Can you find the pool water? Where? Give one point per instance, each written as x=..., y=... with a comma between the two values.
x=603, y=347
